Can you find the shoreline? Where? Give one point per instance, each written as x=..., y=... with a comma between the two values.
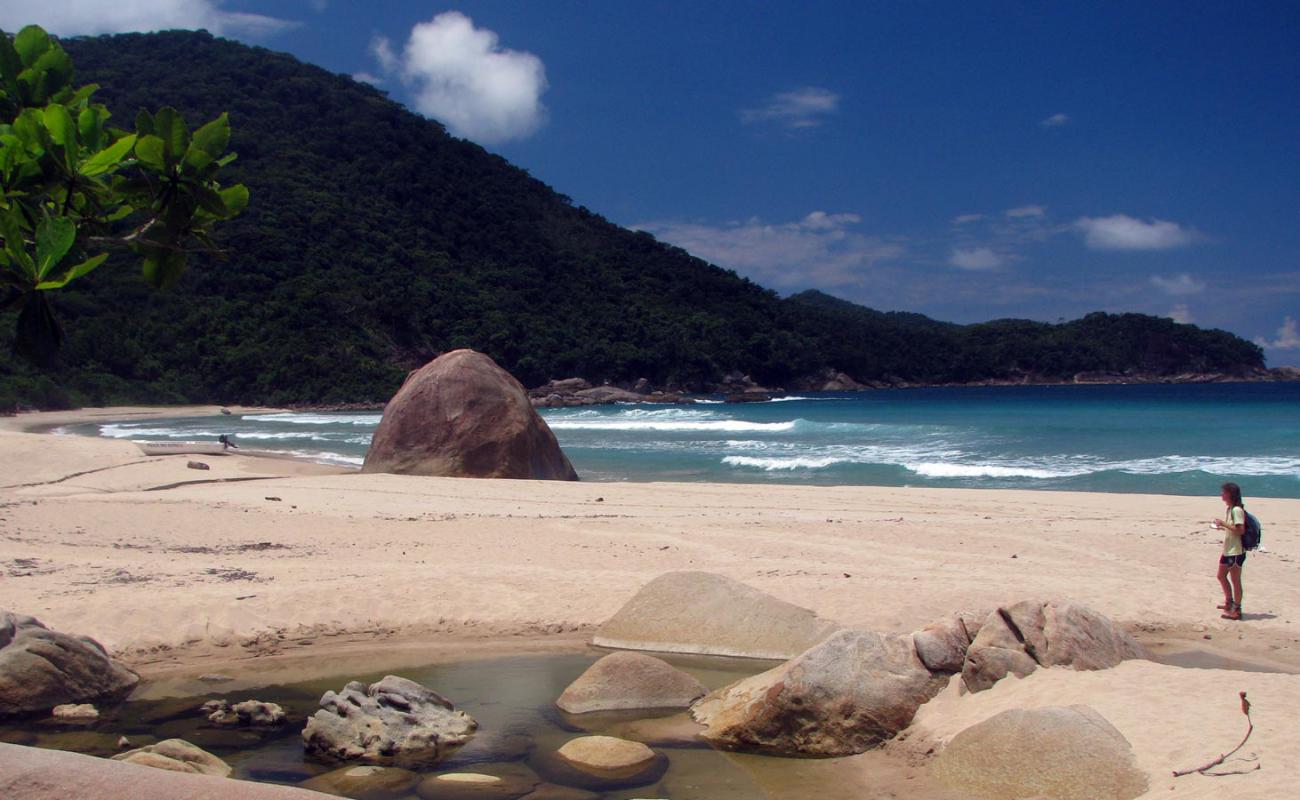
x=275, y=571
x=84, y=478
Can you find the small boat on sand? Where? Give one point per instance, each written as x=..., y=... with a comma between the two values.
x=181, y=448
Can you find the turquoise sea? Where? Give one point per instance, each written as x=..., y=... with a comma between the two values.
x=1168, y=439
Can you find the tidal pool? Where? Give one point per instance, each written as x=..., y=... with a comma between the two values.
x=513, y=700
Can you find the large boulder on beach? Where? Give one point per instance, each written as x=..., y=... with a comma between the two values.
x=942, y=645
x=177, y=755
x=630, y=680
x=41, y=668
x=30, y=773
x=394, y=721
x=844, y=696
x=1017, y=639
x=463, y=416
x=700, y=612
x=1061, y=752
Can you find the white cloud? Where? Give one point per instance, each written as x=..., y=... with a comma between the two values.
x=818, y=250
x=1181, y=313
x=1020, y=212
x=459, y=75
x=92, y=17
x=975, y=259
x=1055, y=121
x=802, y=108
x=1122, y=232
x=1178, y=285
x=366, y=77
x=1288, y=337
x=964, y=219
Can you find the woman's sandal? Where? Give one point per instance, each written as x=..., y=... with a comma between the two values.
x=1233, y=613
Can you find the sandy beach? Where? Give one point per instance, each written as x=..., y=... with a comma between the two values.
x=256, y=562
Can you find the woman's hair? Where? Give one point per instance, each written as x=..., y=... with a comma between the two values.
x=1234, y=493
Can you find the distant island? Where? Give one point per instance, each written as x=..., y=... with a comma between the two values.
x=375, y=241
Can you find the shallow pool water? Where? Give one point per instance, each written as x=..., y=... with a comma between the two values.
x=513, y=700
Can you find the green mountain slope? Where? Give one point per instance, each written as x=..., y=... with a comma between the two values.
x=375, y=241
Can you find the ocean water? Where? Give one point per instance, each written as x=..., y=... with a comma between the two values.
x=1184, y=439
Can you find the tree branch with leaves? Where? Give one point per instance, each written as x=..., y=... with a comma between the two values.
x=73, y=189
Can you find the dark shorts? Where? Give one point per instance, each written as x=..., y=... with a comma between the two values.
x=1233, y=561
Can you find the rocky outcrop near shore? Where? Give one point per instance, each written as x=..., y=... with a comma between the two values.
x=700, y=612
x=41, y=668
x=394, y=721
x=859, y=688
x=1019, y=638
x=846, y=695
x=462, y=416
x=575, y=392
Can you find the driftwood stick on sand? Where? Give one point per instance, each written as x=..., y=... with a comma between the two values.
x=1204, y=769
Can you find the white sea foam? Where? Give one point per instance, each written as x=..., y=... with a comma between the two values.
x=775, y=464
x=121, y=431
x=942, y=469
x=1256, y=465
x=321, y=457
x=295, y=418
x=671, y=426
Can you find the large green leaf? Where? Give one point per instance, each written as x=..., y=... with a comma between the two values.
x=149, y=149
x=73, y=273
x=89, y=131
x=109, y=157
x=31, y=43
x=213, y=137
x=59, y=123
x=54, y=237
x=235, y=197
x=170, y=127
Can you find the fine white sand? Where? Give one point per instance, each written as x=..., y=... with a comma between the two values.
x=258, y=559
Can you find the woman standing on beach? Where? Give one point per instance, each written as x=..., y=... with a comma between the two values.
x=1234, y=554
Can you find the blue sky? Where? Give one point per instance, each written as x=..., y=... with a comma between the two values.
x=964, y=160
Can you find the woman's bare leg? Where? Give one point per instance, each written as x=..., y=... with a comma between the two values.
x=1227, y=587
x=1234, y=577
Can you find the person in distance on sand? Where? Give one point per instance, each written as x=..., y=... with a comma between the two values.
x=1234, y=554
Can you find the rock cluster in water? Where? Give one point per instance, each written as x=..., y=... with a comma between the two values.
x=249, y=713
x=394, y=721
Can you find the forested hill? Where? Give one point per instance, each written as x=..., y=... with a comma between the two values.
x=374, y=241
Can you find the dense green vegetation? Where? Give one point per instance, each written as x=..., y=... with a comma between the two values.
x=375, y=241
x=72, y=186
